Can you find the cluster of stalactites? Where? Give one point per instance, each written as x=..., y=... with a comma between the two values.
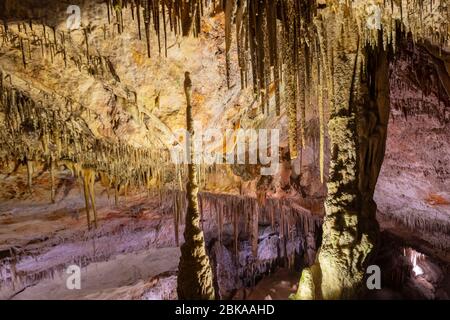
x=245, y=215
x=424, y=87
x=278, y=41
x=438, y=228
x=163, y=16
x=285, y=42
x=277, y=38
x=293, y=42
x=48, y=133
x=237, y=220
x=182, y=17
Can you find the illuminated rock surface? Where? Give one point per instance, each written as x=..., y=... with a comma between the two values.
x=87, y=122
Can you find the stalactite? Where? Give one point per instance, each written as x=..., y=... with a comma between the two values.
x=52, y=179
x=91, y=182
x=24, y=59
x=236, y=232
x=321, y=121
x=30, y=175
x=254, y=235
x=156, y=21
x=85, y=182
x=176, y=217
x=416, y=222
x=228, y=16
x=138, y=16
x=86, y=39
x=22, y=113
x=202, y=212
x=132, y=4
x=291, y=84
x=117, y=6
x=116, y=194
x=108, y=8
x=303, y=94
x=165, y=29
x=219, y=210
x=147, y=24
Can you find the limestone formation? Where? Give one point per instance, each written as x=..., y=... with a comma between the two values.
x=195, y=277
x=318, y=69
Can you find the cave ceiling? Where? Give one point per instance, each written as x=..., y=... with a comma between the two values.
x=113, y=112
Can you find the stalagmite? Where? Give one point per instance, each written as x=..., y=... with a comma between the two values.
x=195, y=278
x=350, y=210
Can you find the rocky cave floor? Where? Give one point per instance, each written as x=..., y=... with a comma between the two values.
x=132, y=255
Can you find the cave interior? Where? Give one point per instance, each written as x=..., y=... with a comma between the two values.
x=225, y=149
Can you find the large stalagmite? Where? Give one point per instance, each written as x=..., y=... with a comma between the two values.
x=195, y=278
x=357, y=130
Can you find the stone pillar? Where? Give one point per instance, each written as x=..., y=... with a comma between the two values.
x=195, y=277
x=357, y=131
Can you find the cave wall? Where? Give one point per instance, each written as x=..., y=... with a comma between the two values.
x=412, y=191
